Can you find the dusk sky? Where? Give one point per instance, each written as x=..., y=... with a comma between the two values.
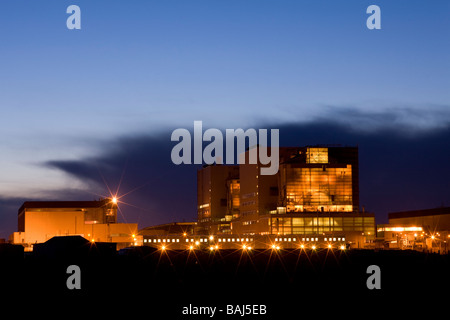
x=81, y=108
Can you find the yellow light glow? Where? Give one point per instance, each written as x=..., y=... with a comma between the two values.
x=197, y=243
x=249, y=248
x=114, y=200
x=191, y=247
x=314, y=247
x=244, y=247
x=163, y=248
x=342, y=247
x=211, y=238
x=93, y=240
x=329, y=246
x=211, y=248
x=402, y=229
x=133, y=235
x=274, y=246
x=216, y=247
x=184, y=234
x=432, y=237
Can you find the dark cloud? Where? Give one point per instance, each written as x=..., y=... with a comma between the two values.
x=155, y=190
x=398, y=171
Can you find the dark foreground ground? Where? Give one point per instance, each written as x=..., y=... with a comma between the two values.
x=148, y=284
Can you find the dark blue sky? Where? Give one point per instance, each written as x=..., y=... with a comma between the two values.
x=145, y=68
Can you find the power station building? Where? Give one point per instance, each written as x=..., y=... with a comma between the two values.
x=315, y=192
x=423, y=230
x=39, y=221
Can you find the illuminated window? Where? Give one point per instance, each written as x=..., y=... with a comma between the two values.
x=145, y=240
x=315, y=190
x=159, y=240
x=220, y=240
x=317, y=155
x=178, y=240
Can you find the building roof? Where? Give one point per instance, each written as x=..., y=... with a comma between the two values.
x=171, y=225
x=419, y=213
x=171, y=228
x=64, y=204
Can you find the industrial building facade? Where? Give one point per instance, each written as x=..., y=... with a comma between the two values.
x=218, y=198
x=422, y=230
x=39, y=221
x=315, y=192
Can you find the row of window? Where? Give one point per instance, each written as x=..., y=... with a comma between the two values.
x=241, y=240
x=235, y=239
x=308, y=239
x=161, y=240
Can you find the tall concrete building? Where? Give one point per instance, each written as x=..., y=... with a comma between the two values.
x=217, y=198
x=316, y=191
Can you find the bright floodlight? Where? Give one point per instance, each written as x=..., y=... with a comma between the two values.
x=114, y=200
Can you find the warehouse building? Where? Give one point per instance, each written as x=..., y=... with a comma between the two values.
x=96, y=221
